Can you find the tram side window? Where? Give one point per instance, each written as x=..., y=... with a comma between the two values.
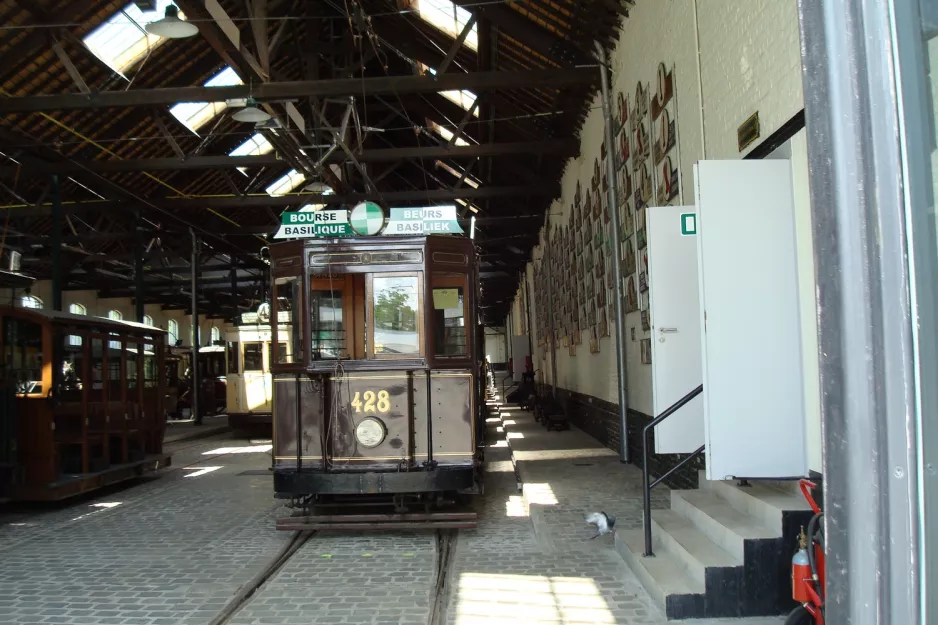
x=150, y=367
x=253, y=357
x=278, y=353
x=233, y=356
x=132, y=360
x=449, y=314
x=22, y=353
x=396, y=312
x=115, y=379
x=288, y=292
x=71, y=371
x=97, y=369
x=328, y=325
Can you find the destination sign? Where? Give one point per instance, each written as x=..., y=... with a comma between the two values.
x=324, y=223
x=367, y=221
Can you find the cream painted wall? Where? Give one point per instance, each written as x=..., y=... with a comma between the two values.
x=100, y=307
x=749, y=60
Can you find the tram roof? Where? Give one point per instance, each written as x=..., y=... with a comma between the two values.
x=58, y=315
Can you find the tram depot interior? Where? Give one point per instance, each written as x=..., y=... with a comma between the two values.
x=361, y=311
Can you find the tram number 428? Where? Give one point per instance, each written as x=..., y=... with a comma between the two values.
x=369, y=401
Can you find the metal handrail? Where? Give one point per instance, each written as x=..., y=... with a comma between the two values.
x=646, y=486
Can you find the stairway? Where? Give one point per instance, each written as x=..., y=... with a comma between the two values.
x=723, y=550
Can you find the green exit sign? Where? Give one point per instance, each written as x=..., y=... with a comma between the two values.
x=688, y=224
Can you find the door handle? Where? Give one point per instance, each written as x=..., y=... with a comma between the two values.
x=667, y=330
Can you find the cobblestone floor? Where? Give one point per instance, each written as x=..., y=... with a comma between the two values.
x=167, y=550
x=531, y=560
x=173, y=549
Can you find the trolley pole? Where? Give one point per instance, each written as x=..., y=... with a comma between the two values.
x=194, y=391
x=617, y=251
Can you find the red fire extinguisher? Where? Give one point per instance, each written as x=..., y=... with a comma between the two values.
x=807, y=568
x=801, y=571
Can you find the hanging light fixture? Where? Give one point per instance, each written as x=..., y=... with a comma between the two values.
x=171, y=26
x=250, y=113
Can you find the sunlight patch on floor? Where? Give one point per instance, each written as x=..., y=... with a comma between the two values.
x=564, y=454
x=100, y=507
x=515, y=435
x=197, y=471
x=514, y=506
x=540, y=493
x=491, y=599
x=253, y=449
x=499, y=466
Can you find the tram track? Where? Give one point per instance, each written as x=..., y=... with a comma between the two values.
x=445, y=552
x=446, y=549
x=247, y=590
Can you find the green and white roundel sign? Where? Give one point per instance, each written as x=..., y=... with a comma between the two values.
x=367, y=218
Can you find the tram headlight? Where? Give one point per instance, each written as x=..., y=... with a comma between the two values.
x=370, y=432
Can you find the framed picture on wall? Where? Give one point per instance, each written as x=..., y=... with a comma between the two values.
x=646, y=351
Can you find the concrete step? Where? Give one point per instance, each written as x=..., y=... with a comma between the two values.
x=762, y=501
x=680, y=538
x=719, y=521
x=663, y=575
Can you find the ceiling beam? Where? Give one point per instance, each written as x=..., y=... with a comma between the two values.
x=261, y=201
x=382, y=85
x=565, y=148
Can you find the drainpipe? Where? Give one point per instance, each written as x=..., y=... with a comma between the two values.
x=617, y=251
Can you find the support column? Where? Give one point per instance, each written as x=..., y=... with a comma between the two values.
x=139, y=290
x=56, y=244
x=233, y=276
x=196, y=412
x=621, y=371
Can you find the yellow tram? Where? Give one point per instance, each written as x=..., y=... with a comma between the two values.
x=379, y=393
x=251, y=352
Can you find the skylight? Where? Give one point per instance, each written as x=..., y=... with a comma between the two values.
x=255, y=146
x=446, y=133
x=121, y=41
x=194, y=115
x=464, y=98
x=468, y=180
x=468, y=205
x=449, y=18
x=291, y=180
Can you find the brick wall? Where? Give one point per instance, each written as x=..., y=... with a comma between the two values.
x=749, y=60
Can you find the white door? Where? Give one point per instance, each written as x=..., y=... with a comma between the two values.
x=753, y=387
x=675, y=326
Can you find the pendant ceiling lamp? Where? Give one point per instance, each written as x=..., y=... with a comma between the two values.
x=250, y=113
x=171, y=26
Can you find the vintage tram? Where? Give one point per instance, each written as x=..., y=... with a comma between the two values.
x=82, y=399
x=252, y=350
x=177, y=371
x=379, y=394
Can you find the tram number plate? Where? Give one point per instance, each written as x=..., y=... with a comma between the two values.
x=369, y=401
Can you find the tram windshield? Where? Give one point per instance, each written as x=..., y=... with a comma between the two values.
x=328, y=331
x=396, y=315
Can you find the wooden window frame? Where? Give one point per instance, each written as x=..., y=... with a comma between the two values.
x=370, y=315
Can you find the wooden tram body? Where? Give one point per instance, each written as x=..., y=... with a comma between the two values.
x=382, y=392
x=86, y=396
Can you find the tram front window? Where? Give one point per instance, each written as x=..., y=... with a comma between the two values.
x=22, y=353
x=253, y=357
x=395, y=316
x=449, y=314
x=288, y=293
x=328, y=331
